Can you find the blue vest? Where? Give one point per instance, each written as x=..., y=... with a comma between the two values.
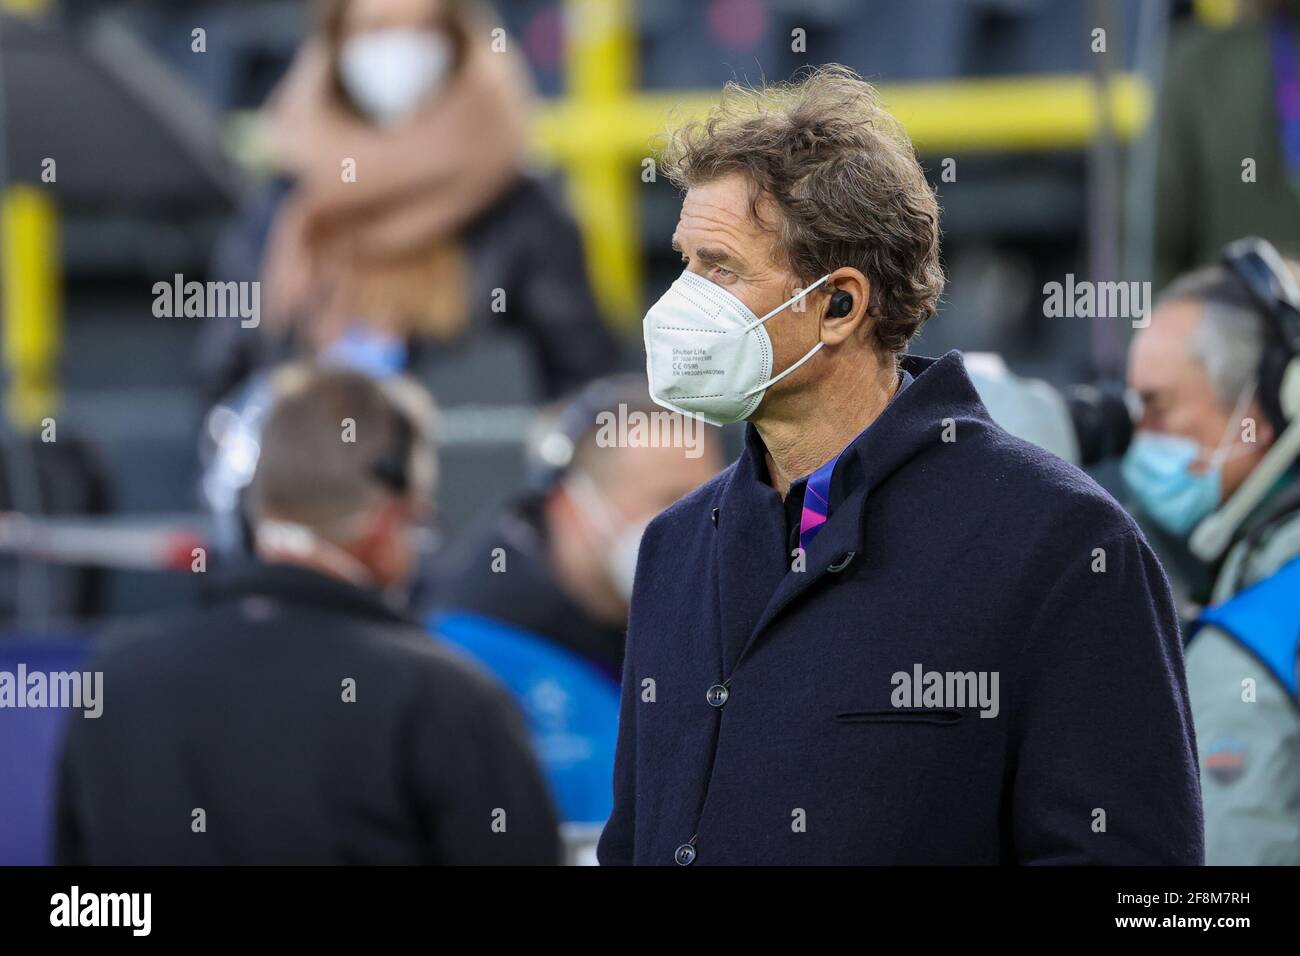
x=1265, y=620
x=571, y=707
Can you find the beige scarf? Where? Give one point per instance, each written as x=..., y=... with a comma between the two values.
x=381, y=246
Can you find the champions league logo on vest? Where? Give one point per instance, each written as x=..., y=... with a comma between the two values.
x=1225, y=759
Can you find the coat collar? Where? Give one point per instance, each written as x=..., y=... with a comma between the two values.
x=298, y=585
x=751, y=548
x=914, y=422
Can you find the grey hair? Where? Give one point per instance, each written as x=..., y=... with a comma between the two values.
x=1229, y=339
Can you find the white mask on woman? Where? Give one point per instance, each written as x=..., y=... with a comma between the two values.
x=388, y=74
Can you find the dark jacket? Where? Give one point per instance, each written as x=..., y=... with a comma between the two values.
x=525, y=244
x=976, y=554
x=237, y=709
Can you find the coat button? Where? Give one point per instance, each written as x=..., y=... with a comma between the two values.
x=685, y=855
x=717, y=695
x=842, y=563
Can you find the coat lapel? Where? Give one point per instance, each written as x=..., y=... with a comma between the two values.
x=750, y=552
x=839, y=543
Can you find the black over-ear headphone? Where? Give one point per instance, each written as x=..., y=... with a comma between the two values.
x=841, y=304
x=392, y=469
x=1273, y=290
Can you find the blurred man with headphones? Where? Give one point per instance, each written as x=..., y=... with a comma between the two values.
x=1213, y=462
x=297, y=715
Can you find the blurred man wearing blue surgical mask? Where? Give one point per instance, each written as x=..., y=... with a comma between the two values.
x=1207, y=436
x=1194, y=445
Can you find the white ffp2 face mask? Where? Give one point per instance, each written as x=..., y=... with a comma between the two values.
x=707, y=355
x=389, y=73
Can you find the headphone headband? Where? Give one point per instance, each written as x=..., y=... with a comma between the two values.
x=1276, y=295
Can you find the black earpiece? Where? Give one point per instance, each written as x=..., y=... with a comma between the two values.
x=841, y=304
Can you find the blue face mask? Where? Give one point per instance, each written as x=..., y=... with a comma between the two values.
x=1157, y=469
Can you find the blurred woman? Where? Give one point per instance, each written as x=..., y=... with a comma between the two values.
x=401, y=206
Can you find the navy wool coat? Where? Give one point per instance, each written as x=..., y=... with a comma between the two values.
x=763, y=716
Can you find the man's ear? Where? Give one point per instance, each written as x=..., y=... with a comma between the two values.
x=837, y=329
x=558, y=506
x=382, y=519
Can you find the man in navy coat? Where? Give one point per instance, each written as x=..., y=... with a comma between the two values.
x=890, y=632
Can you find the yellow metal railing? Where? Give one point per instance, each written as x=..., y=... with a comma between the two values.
x=29, y=277
x=601, y=74
x=25, y=7
x=1016, y=113
x=29, y=257
x=1217, y=13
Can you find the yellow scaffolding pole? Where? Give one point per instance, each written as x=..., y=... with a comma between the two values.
x=1217, y=13
x=601, y=73
x=29, y=264
x=1032, y=113
x=29, y=289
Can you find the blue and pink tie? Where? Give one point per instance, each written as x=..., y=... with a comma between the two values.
x=816, y=503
